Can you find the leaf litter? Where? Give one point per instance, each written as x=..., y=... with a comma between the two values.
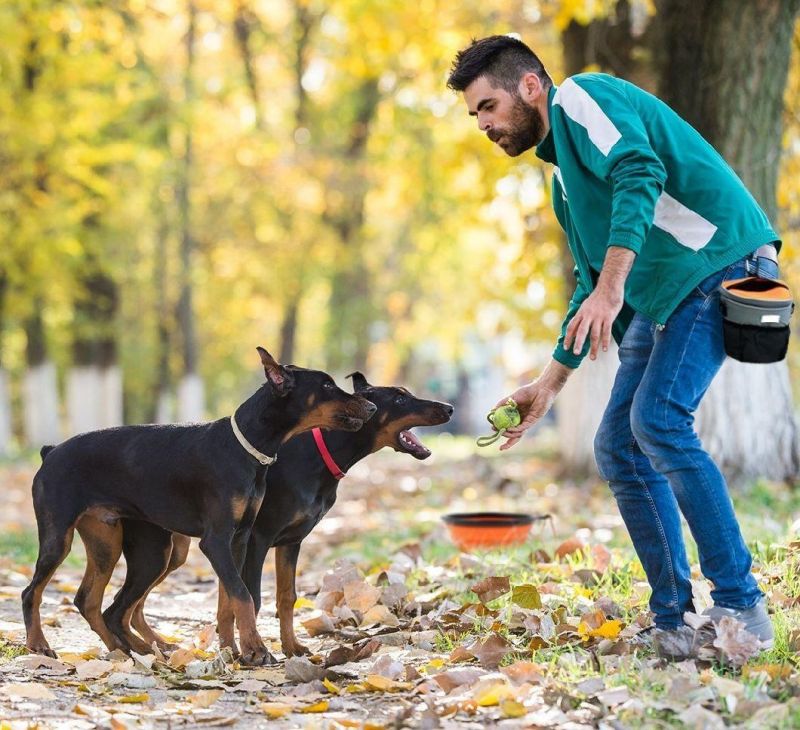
x=398, y=637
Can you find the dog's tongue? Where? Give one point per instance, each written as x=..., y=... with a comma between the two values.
x=410, y=440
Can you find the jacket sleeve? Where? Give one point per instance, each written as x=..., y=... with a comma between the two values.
x=610, y=140
x=567, y=357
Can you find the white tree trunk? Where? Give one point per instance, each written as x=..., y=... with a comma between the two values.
x=579, y=409
x=747, y=424
x=165, y=407
x=84, y=399
x=111, y=396
x=41, y=405
x=94, y=398
x=5, y=415
x=191, y=399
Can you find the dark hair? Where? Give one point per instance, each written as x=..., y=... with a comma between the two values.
x=502, y=59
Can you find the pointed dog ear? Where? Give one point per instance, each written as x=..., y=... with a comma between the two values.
x=359, y=381
x=281, y=380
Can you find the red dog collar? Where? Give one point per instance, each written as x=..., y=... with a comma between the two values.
x=333, y=468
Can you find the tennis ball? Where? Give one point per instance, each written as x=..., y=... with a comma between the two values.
x=506, y=416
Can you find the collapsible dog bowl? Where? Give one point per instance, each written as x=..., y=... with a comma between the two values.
x=471, y=530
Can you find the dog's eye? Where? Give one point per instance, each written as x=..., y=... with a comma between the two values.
x=399, y=400
x=328, y=385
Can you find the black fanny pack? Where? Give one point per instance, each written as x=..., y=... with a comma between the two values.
x=755, y=318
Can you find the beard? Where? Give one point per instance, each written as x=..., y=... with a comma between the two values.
x=525, y=129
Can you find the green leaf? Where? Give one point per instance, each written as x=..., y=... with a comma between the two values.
x=526, y=596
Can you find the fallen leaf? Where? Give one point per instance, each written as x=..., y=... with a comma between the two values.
x=360, y=596
x=320, y=624
x=606, y=630
x=345, y=654
x=249, y=685
x=491, y=651
x=380, y=614
x=458, y=677
x=180, y=658
x=303, y=602
x=321, y=706
x=522, y=671
x=27, y=690
x=526, y=596
x=384, y=684
x=93, y=669
x=512, y=708
x=735, y=642
x=134, y=699
x=601, y=556
x=569, y=547
x=300, y=669
x=206, y=636
x=331, y=687
x=275, y=709
x=206, y=697
x=490, y=588
x=492, y=694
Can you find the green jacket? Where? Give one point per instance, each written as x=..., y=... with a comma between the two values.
x=630, y=172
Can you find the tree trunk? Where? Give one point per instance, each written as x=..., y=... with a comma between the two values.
x=40, y=389
x=94, y=383
x=163, y=402
x=348, y=338
x=736, y=53
x=191, y=396
x=6, y=432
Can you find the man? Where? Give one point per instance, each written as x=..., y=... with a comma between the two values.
x=655, y=220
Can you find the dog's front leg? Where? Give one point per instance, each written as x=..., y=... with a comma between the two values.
x=216, y=547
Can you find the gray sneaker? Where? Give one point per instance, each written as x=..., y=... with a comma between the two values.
x=675, y=644
x=756, y=620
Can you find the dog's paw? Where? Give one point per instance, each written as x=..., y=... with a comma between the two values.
x=42, y=648
x=257, y=657
x=295, y=648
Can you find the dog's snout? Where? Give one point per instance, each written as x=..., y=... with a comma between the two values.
x=447, y=408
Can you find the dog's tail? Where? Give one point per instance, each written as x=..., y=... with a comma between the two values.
x=45, y=451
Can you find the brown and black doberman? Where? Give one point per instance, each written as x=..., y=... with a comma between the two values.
x=206, y=480
x=301, y=488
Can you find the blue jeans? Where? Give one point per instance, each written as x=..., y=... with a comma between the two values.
x=647, y=450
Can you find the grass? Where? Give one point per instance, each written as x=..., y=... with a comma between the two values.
x=21, y=547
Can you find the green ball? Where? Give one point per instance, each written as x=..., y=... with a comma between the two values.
x=506, y=416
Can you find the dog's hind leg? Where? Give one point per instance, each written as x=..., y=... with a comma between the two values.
x=180, y=551
x=285, y=572
x=103, y=543
x=147, y=549
x=55, y=541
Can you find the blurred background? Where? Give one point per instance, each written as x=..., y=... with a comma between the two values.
x=182, y=180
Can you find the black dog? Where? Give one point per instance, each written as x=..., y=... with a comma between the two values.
x=205, y=480
x=301, y=488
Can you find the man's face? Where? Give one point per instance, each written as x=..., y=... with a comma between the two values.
x=506, y=118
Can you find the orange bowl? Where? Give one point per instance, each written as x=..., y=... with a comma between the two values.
x=471, y=530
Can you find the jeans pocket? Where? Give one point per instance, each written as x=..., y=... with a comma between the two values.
x=711, y=283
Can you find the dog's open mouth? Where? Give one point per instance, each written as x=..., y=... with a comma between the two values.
x=410, y=444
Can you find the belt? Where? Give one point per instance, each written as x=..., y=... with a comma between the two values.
x=767, y=251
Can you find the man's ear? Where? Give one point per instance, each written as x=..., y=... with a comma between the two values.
x=281, y=380
x=530, y=87
x=359, y=381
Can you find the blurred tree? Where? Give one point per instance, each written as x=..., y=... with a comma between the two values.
x=737, y=54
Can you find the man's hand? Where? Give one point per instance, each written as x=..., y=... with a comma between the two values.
x=535, y=399
x=594, y=318
x=596, y=315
